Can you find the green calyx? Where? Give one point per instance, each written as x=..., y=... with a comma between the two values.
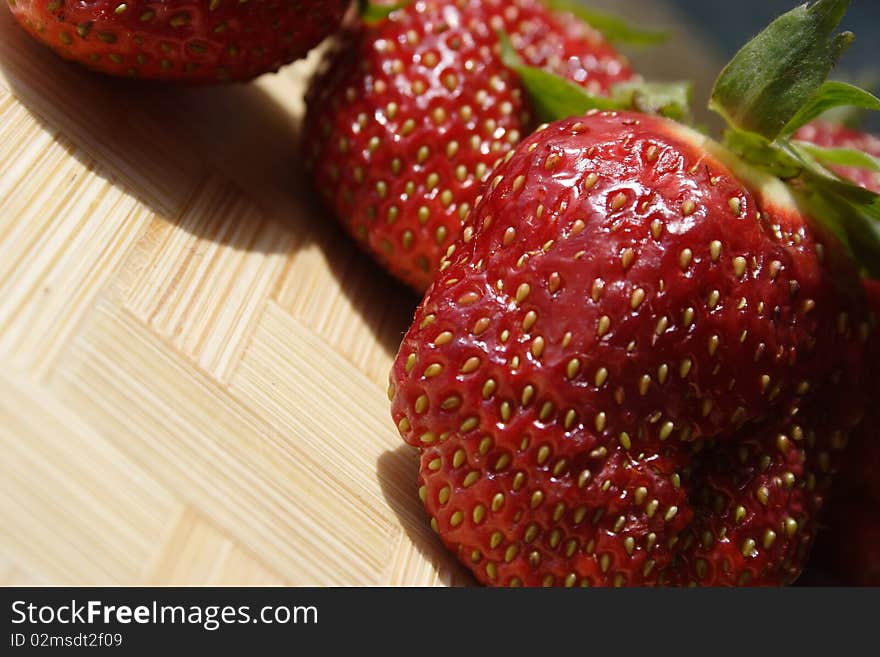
x=777, y=84
x=774, y=75
x=553, y=97
x=612, y=27
x=372, y=13
x=829, y=96
x=846, y=157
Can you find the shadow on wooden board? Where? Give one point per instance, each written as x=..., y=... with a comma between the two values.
x=160, y=143
x=398, y=472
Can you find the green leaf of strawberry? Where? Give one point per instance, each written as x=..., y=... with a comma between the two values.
x=643, y=357
x=372, y=13
x=754, y=148
x=614, y=28
x=669, y=99
x=553, y=97
x=847, y=157
x=776, y=85
x=550, y=95
x=831, y=95
x=829, y=135
x=778, y=72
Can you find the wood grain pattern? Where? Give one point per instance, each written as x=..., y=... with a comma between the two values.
x=193, y=357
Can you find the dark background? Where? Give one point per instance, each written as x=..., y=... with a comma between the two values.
x=707, y=33
x=731, y=23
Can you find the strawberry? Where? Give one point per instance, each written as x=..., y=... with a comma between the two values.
x=861, y=473
x=849, y=548
x=850, y=545
x=642, y=360
x=862, y=468
x=613, y=380
x=412, y=111
x=203, y=41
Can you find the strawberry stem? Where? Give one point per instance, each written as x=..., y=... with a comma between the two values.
x=775, y=85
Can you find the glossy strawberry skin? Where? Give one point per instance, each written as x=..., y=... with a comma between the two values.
x=409, y=116
x=624, y=375
x=196, y=41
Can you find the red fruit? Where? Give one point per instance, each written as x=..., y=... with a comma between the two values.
x=638, y=365
x=861, y=471
x=834, y=135
x=848, y=547
x=411, y=114
x=192, y=41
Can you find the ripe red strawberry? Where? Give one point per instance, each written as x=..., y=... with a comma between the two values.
x=196, y=41
x=849, y=546
x=412, y=113
x=862, y=470
x=862, y=466
x=639, y=365
x=835, y=135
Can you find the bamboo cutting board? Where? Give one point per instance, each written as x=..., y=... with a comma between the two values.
x=193, y=359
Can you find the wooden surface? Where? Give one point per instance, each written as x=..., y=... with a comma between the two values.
x=193, y=359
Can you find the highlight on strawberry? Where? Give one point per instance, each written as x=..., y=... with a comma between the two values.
x=414, y=108
x=196, y=42
x=644, y=357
